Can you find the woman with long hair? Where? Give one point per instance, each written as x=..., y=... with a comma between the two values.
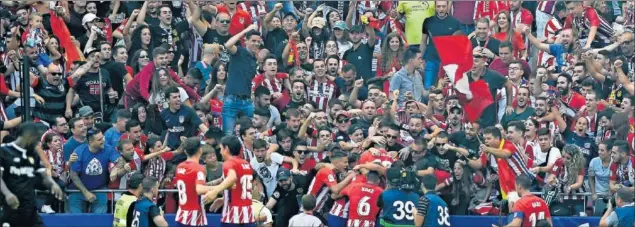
x=141, y=39
x=462, y=189
x=161, y=80
x=531, y=130
x=503, y=31
x=219, y=76
x=567, y=175
x=139, y=60
x=339, y=33
x=390, y=59
x=139, y=114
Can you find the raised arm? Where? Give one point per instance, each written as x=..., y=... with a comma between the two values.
x=142, y=13
x=199, y=25
x=230, y=45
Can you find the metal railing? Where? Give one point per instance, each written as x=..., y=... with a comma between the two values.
x=585, y=195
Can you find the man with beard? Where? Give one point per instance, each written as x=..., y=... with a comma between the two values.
x=367, y=116
x=506, y=58
x=561, y=51
x=454, y=121
x=522, y=111
x=211, y=34
x=294, y=99
x=623, y=167
x=286, y=199
x=482, y=39
x=595, y=31
x=94, y=82
x=261, y=117
x=310, y=127
x=321, y=89
x=52, y=89
x=446, y=158
x=414, y=130
x=299, y=47
x=392, y=139
x=135, y=134
x=292, y=122
x=334, y=65
x=347, y=84
x=495, y=82
x=267, y=169
x=549, y=116
x=179, y=120
x=262, y=97
x=361, y=54
x=568, y=96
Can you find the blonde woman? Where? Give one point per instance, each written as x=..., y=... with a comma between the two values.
x=567, y=174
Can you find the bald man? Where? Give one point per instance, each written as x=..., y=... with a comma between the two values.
x=52, y=89
x=211, y=54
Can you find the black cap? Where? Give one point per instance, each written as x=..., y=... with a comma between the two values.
x=214, y=133
x=283, y=174
x=290, y=14
x=135, y=180
x=394, y=176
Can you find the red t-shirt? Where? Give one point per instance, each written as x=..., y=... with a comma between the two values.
x=574, y=100
x=274, y=85
x=237, y=208
x=188, y=175
x=363, y=199
x=531, y=209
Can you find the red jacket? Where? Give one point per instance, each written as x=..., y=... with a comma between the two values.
x=139, y=86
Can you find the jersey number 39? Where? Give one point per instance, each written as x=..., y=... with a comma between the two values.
x=404, y=210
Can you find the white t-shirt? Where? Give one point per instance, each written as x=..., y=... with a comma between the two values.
x=306, y=220
x=541, y=157
x=268, y=172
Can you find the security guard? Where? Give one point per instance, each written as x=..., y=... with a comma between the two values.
x=146, y=213
x=125, y=204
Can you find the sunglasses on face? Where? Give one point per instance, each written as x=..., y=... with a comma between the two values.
x=57, y=74
x=391, y=137
x=144, y=56
x=439, y=144
x=224, y=21
x=303, y=151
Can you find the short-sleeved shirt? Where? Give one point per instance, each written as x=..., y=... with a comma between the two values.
x=93, y=169
x=305, y=220
x=267, y=172
x=531, y=209
x=240, y=73
x=405, y=83
x=190, y=211
x=145, y=212
x=415, y=14
x=623, y=174
x=601, y=175
x=434, y=26
x=361, y=58
x=288, y=201
x=20, y=168
x=238, y=202
x=183, y=122
x=320, y=187
x=88, y=90
x=362, y=198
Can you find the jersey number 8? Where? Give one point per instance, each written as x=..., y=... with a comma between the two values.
x=406, y=210
x=180, y=186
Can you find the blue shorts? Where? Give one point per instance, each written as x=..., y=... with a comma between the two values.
x=237, y=225
x=336, y=221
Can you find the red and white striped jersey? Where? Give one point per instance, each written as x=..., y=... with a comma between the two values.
x=523, y=16
x=190, y=212
x=489, y=9
x=275, y=84
x=591, y=19
x=255, y=10
x=319, y=187
x=321, y=93
x=551, y=28
x=340, y=208
x=237, y=207
x=547, y=6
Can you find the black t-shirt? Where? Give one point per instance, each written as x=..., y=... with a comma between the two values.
x=433, y=26
x=276, y=38
x=491, y=44
x=212, y=36
x=170, y=35
x=87, y=88
x=396, y=147
x=427, y=161
x=21, y=168
x=75, y=25
x=361, y=58
x=461, y=140
x=446, y=160
x=117, y=73
x=288, y=202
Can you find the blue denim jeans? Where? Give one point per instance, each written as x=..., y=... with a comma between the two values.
x=431, y=73
x=232, y=106
x=467, y=28
x=77, y=203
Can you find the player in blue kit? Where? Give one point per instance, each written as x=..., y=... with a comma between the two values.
x=399, y=200
x=432, y=211
x=146, y=213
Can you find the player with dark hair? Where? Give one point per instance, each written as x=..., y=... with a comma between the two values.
x=146, y=213
x=19, y=164
x=529, y=209
x=432, y=211
x=362, y=197
x=190, y=182
x=237, y=185
x=325, y=183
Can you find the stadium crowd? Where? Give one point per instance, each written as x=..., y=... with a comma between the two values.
x=310, y=113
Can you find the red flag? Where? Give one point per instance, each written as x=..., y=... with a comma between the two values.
x=457, y=59
x=61, y=31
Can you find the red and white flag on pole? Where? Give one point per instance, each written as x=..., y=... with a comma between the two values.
x=457, y=60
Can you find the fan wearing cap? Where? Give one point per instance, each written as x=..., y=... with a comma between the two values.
x=398, y=202
x=285, y=200
x=277, y=37
x=94, y=31
x=315, y=34
x=361, y=54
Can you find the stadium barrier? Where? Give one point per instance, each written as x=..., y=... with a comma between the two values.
x=104, y=220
